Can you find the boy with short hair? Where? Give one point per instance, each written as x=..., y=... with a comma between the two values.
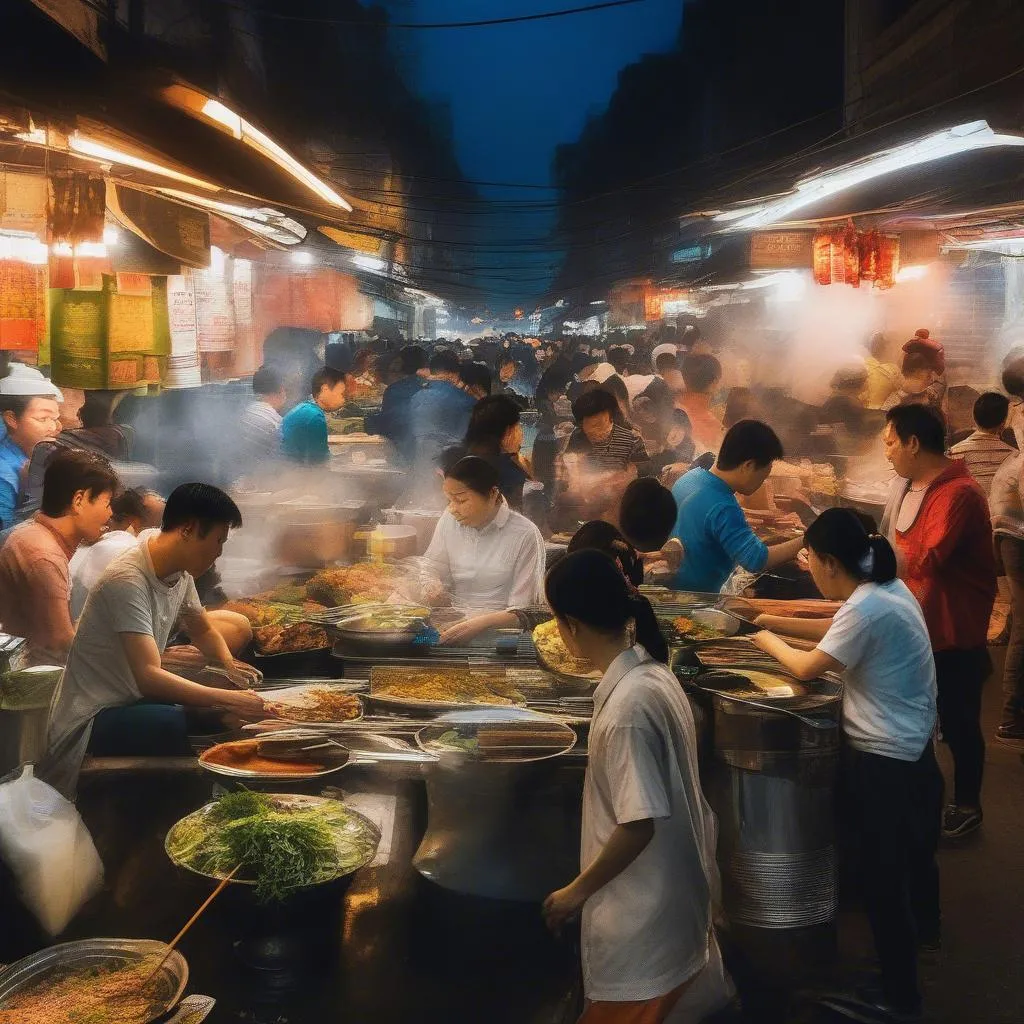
x=304, y=429
x=985, y=451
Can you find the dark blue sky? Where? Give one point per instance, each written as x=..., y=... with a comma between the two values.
x=516, y=91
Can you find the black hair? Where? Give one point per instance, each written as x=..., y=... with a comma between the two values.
x=202, y=503
x=553, y=380
x=129, y=504
x=267, y=380
x=444, y=362
x=95, y=412
x=476, y=473
x=701, y=372
x=325, y=377
x=920, y=421
x=647, y=514
x=588, y=586
x=475, y=375
x=599, y=535
x=593, y=403
x=70, y=471
x=18, y=404
x=616, y=387
x=411, y=359
x=749, y=441
x=504, y=358
x=490, y=419
x=915, y=361
x=852, y=539
x=1013, y=373
x=666, y=361
x=991, y=410
x=619, y=358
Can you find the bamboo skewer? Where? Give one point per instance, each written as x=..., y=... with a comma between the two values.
x=191, y=921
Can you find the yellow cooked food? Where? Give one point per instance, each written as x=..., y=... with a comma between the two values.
x=553, y=653
x=458, y=687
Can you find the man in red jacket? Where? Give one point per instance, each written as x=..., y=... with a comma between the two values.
x=937, y=519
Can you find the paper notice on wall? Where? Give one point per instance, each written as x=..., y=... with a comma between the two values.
x=23, y=202
x=246, y=356
x=183, y=363
x=22, y=305
x=215, y=320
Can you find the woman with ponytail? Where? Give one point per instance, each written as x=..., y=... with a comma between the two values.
x=890, y=781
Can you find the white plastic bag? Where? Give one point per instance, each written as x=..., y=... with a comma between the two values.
x=48, y=849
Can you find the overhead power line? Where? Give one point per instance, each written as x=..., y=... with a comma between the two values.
x=483, y=23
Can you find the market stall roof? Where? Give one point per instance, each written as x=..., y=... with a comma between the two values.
x=942, y=172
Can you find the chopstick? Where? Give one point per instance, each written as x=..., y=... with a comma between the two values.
x=191, y=921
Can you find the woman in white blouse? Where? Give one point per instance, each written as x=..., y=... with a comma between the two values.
x=483, y=555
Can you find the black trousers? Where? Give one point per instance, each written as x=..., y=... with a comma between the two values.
x=960, y=675
x=895, y=808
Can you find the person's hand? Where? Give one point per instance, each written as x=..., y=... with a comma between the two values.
x=245, y=677
x=759, y=640
x=760, y=620
x=459, y=632
x=561, y=907
x=672, y=554
x=245, y=703
x=802, y=561
x=433, y=591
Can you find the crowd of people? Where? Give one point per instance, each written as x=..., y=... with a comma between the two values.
x=648, y=449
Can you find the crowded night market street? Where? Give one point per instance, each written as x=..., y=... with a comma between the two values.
x=511, y=513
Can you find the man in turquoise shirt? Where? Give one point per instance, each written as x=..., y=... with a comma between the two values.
x=304, y=429
x=28, y=420
x=710, y=525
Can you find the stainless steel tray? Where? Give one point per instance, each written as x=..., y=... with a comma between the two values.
x=290, y=801
x=56, y=961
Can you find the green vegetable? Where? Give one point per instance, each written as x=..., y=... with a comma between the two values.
x=280, y=849
x=242, y=804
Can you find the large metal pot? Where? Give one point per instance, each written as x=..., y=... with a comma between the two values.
x=770, y=779
x=310, y=535
x=424, y=521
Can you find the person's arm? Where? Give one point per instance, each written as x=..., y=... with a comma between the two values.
x=802, y=664
x=728, y=525
x=779, y=554
x=528, y=573
x=435, y=565
x=806, y=629
x=319, y=450
x=625, y=844
x=460, y=632
x=156, y=683
x=212, y=645
x=50, y=599
x=8, y=501
x=632, y=761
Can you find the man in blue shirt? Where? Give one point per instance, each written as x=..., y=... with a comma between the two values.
x=439, y=412
x=28, y=419
x=710, y=524
x=304, y=429
x=394, y=421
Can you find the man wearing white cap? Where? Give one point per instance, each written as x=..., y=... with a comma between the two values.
x=30, y=412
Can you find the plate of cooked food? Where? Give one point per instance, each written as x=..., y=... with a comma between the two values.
x=553, y=656
x=444, y=689
x=700, y=625
x=313, y=704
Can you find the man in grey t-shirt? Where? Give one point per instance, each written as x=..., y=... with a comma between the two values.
x=140, y=599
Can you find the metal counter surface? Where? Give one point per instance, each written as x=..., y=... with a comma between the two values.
x=391, y=948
